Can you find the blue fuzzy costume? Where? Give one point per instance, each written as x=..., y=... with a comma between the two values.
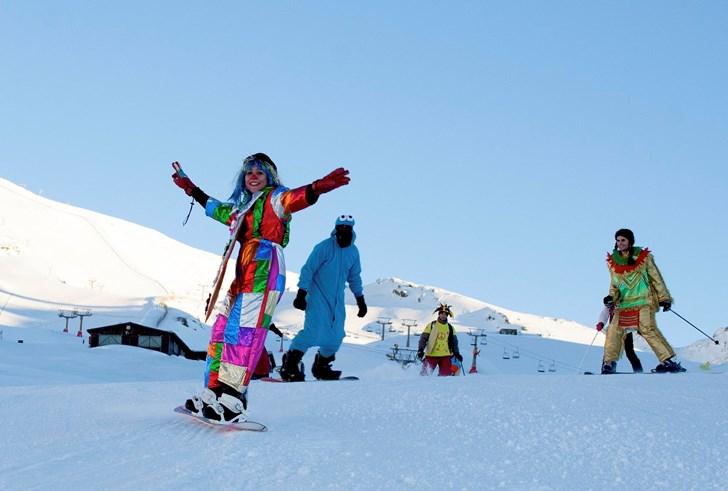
x=324, y=276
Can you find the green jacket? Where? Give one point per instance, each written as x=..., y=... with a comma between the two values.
x=636, y=285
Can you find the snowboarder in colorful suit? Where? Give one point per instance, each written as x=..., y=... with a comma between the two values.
x=260, y=209
x=636, y=291
x=332, y=263
x=438, y=344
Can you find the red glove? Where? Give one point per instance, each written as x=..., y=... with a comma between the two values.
x=600, y=326
x=184, y=183
x=337, y=178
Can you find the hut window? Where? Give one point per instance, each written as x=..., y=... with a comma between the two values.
x=154, y=342
x=106, y=339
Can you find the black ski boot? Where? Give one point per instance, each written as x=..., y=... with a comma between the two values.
x=609, y=368
x=321, y=368
x=668, y=366
x=229, y=407
x=292, y=367
x=637, y=367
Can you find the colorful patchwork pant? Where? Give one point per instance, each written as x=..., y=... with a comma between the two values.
x=240, y=328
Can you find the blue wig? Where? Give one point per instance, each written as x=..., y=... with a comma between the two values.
x=240, y=195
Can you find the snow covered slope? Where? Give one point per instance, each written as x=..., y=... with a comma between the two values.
x=58, y=257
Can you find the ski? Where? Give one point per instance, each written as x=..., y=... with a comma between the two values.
x=240, y=426
x=276, y=379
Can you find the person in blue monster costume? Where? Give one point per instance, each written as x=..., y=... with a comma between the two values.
x=332, y=263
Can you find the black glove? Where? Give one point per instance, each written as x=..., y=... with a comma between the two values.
x=362, y=306
x=458, y=357
x=272, y=328
x=608, y=301
x=300, y=301
x=666, y=305
x=420, y=354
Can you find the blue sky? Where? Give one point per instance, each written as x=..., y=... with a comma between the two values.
x=494, y=147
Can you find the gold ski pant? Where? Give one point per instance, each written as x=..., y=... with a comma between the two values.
x=647, y=329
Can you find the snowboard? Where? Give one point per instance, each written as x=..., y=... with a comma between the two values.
x=241, y=426
x=276, y=379
x=629, y=373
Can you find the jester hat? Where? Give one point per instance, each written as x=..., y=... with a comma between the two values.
x=444, y=308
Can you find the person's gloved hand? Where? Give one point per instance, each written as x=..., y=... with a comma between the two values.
x=420, y=354
x=458, y=357
x=600, y=326
x=300, y=301
x=362, y=306
x=335, y=179
x=183, y=182
x=666, y=305
x=272, y=328
x=608, y=301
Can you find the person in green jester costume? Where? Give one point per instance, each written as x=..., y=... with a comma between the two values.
x=637, y=291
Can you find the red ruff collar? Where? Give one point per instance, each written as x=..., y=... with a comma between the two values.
x=626, y=268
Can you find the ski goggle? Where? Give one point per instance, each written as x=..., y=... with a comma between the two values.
x=260, y=157
x=266, y=166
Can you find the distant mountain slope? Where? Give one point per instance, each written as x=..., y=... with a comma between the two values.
x=55, y=256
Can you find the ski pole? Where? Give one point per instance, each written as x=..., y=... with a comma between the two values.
x=459, y=364
x=696, y=327
x=586, y=351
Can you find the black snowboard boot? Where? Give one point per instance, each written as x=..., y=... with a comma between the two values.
x=669, y=366
x=292, y=367
x=609, y=368
x=197, y=403
x=229, y=407
x=321, y=368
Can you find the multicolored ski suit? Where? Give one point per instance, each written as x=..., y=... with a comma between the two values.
x=241, y=325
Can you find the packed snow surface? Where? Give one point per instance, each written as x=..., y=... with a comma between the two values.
x=80, y=418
